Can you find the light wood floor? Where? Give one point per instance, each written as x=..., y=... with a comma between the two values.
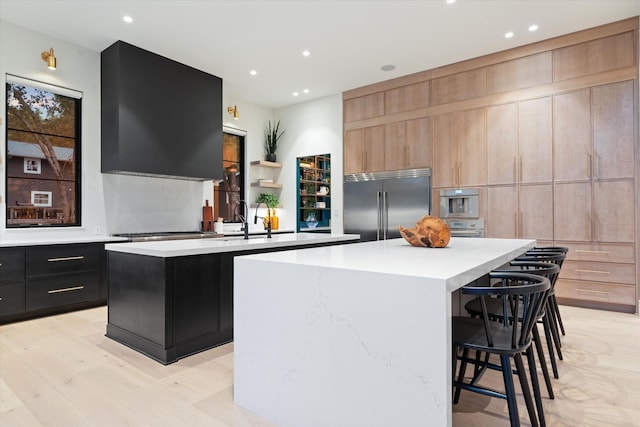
x=63, y=371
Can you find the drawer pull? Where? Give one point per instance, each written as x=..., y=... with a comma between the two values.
x=582, y=251
x=73, y=288
x=591, y=271
x=68, y=258
x=593, y=292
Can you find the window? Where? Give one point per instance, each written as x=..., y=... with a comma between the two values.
x=43, y=155
x=231, y=189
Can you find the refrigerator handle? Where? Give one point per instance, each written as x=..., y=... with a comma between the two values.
x=379, y=212
x=385, y=215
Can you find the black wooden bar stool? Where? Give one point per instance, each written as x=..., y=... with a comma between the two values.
x=521, y=296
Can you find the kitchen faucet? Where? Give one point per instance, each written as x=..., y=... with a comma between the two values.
x=255, y=218
x=244, y=218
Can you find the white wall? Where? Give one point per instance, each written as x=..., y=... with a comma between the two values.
x=313, y=127
x=119, y=203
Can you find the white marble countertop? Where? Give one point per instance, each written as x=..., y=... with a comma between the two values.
x=364, y=328
x=173, y=248
x=456, y=263
x=45, y=239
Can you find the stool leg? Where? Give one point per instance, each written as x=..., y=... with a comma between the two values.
x=556, y=310
x=536, y=386
x=510, y=392
x=549, y=339
x=463, y=368
x=543, y=361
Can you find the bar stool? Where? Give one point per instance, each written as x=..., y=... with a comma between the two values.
x=551, y=327
x=522, y=296
x=494, y=308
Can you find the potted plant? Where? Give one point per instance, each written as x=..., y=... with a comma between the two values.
x=271, y=137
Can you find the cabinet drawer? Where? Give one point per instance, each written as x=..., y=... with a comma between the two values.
x=613, y=293
x=62, y=259
x=11, y=297
x=599, y=272
x=11, y=263
x=62, y=290
x=600, y=252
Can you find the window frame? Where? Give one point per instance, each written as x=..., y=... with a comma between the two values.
x=76, y=97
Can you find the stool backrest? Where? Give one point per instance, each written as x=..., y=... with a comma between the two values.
x=540, y=268
x=522, y=295
x=543, y=256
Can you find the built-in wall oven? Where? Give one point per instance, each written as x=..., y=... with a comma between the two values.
x=460, y=208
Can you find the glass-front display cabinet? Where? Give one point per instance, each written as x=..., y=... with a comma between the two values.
x=314, y=193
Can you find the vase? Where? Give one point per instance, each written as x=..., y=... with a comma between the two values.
x=270, y=157
x=311, y=220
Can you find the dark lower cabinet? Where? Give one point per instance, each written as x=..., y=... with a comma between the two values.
x=41, y=280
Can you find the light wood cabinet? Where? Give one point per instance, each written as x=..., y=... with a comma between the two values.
x=524, y=212
x=502, y=212
x=459, y=149
x=535, y=140
x=364, y=107
x=572, y=136
x=395, y=156
x=502, y=143
x=536, y=212
x=418, y=146
x=445, y=150
x=572, y=211
x=406, y=98
x=613, y=211
x=407, y=145
x=612, y=109
x=353, y=153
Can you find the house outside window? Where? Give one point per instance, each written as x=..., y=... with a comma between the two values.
x=43, y=156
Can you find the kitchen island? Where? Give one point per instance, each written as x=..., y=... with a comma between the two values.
x=354, y=335
x=170, y=299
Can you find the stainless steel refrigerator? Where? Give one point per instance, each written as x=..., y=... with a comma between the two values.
x=376, y=203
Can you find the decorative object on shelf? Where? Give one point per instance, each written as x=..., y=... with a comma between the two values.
x=271, y=138
x=48, y=57
x=234, y=112
x=311, y=220
x=324, y=190
x=429, y=232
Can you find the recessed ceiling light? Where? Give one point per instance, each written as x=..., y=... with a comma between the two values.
x=306, y=91
x=295, y=93
x=306, y=53
x=451, y=1
x=533, y=27
x=127, y=19
x=253, y=72
x=388, y=67
x=509, y=34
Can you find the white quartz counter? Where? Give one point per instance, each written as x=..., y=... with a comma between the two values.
x=174, y=248
x=353, y=335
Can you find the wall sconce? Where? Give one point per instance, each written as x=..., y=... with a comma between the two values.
x=49, y=58
x=234, y=112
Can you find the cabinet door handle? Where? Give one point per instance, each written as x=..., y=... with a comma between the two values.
x=520, y=170
x=589, y=164
x=583, y=251
x=591, y=271
x=70, y=289
x=514, y=169
x=68, y=258
x=593, y=292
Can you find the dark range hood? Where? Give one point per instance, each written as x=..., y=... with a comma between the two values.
x=159, y=117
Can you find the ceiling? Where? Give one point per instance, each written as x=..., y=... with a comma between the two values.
x=348, y=40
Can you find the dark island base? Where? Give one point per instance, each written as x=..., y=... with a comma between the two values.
x=167, y=356
x=170, y=308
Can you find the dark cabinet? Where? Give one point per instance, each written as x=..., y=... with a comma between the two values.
x=47, y=279
x=159, y=117
x=12, y=267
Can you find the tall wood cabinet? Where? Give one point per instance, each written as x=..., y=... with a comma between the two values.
x=549, y=134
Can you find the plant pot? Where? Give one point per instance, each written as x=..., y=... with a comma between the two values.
x=270, y=157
